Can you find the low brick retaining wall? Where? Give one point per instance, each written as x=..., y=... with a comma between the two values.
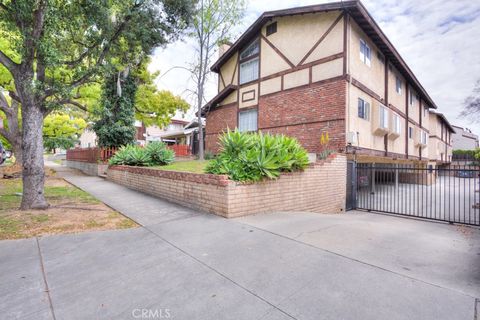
x=320, y=188
x=92, y=169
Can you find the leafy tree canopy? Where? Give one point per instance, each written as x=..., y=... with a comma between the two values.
x=62, y=131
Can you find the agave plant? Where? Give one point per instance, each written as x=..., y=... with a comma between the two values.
x=159, y=153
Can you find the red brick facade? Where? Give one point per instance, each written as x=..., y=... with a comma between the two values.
x=218, y=121
x=304, y=113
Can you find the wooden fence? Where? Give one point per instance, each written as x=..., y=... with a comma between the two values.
x=181, y=150
x=91, y=155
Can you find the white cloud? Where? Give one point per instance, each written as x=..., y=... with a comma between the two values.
x=439, y=40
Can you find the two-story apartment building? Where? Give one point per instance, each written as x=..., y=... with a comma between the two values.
x=440, y=143
x=317, y=69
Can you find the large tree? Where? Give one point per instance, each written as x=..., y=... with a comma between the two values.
x=212, y=25
x=62, y=45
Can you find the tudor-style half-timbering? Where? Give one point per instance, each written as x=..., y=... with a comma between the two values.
x=324, y=68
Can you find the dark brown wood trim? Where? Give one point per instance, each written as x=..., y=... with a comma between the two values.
x=247, y=92
x=256, y=55
x=420, y=121
x=406, y=119
x=386, y=80
x=379, y=153
x=346, y=27
x=305, y=66
x=223, y=81
x=281, y=83
x=310, y=76
x=277, y=51
x=365, y=89
x=302, y=123
x=235, y=70
x=324, y=81
x=340, y=16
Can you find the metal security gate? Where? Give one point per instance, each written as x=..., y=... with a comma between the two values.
x=445, y=194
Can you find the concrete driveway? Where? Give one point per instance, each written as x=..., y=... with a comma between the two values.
x=190, y=265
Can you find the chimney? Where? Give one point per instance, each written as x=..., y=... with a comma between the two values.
x=223, y=47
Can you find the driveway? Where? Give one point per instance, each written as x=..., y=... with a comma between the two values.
x=183, y=264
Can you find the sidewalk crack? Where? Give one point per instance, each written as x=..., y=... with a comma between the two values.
x=47, y=290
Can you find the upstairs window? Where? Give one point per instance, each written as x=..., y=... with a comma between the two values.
x=383, y=117
x=412, y=97
x=271, y=28
x=423, y=137
x=398, y=85
x=249, y=59
x=410, y=132
x=365, y=53
x=425, y=111
x=397, y=124
x=247, y=120
x=363, y=109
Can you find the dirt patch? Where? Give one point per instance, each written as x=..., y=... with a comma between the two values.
x=72, y=210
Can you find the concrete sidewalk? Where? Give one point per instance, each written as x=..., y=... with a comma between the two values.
x=200, y=266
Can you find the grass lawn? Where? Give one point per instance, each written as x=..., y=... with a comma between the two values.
x=195, y=166
x=71, y=210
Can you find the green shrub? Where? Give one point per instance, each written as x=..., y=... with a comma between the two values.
x=159, y=153
x=156, y=153
x=131, y=155
x=255, y=156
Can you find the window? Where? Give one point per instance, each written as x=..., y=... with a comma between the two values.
x=423, y=137
x=398, y=86
x=412, y=97
x=365, y=53
x=397, y=125
x=249, y=63
x=425, y=111
x=383, y=117
x=410, y=132
x=363, y=109
x=247, y=120
x=271, y=28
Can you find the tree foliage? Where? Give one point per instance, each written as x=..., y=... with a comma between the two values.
x=115, y=126
x=212, y=25
x=471, y=106
x=62, y=131
x=59, y=46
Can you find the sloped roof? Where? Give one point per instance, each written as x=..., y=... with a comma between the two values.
x=359, y=13
x=219, y=97
x=442, y=116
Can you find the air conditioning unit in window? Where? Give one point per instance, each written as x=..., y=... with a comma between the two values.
x=352, y=138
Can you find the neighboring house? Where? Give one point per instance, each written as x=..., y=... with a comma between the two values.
x=440, y=142
x=187, y=135
x=464, y=139
x=143, y=134
x=317, y=69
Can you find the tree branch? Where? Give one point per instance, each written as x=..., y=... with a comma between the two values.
x=8, y=63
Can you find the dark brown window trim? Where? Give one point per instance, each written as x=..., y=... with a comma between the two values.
x=324, y=81
x=256, y=55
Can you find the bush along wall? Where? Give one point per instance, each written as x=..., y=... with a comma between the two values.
x=257, y=156
x=154, y=154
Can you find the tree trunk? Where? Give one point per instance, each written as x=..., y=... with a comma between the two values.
x=17, y=150
x=32, y=164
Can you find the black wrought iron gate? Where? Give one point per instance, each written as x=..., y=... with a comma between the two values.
x=447, y=194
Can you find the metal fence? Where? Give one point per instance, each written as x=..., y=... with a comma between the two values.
x=446, y=194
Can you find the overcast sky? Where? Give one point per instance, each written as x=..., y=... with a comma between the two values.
x=439, y=40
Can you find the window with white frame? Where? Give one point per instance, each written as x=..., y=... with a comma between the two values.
x=363, y=109
x=365, y=53
x=397, y=124
x=410, y=132
x=383, y=117
x=425, y=111
x=247, y=120
x=249, y=62
x=398, y=85
x=412, y=97
x=423, y=137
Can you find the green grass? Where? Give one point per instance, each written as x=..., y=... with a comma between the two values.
x=195, y=166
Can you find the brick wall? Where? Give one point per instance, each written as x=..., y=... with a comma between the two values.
x=320, y=188
x=304, y=113
x=91, y=169
x=218, y=120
